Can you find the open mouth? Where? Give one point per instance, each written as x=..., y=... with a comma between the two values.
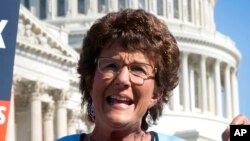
x=115, y=99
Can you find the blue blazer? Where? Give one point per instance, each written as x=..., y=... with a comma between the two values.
x=157, y=137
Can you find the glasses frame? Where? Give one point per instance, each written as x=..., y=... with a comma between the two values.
x=148, y=76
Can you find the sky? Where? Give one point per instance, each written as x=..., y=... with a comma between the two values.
x=232, y=18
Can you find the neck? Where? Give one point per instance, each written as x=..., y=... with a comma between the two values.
x=136, y=137
x=117, y=136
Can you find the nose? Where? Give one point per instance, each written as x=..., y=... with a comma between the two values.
x=122, y=79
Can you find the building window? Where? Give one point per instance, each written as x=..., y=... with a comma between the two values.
x=197, y=90
x=189, y=4
x=181, y=91
x=61, y=8
x=141, y=4
x=122, y=4
x=27, y=4
x=43, y=9
x=81, y=6
x=176, y=9
x=102, y=8
x=223, y=100
x=200, y=12
x=160, y=7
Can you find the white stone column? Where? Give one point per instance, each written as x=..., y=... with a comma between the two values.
x=217, y=79
x=206, y=14
x=164, y=8
x=48, y=122
x=37, y=90
x=196, y=12
x=49, y=9
x=211, y=95
x=203, y=16
x=212, y=20
x=49, y=6
x=129, y=3
x=170, y=9
x=208, y=18
x=152, y=6
x=112, y=5
x=61, y=114
x=186, y=104
x=192, y=89
x=135, y=4
x=203, y=83
x=146, y=5
x=235, y=95
x=228, y=94
x=73, y=7
x=36, y=117
x=184, y=13
x=175, y=99
x=61, y=119
x=52, y=8
x=93, y=6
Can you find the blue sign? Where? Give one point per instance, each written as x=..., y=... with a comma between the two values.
x=9, y=10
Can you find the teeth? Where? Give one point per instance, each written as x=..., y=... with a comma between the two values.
x=116, y=99
x=119, y=98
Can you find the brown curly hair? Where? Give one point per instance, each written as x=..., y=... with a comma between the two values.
x=135, y=30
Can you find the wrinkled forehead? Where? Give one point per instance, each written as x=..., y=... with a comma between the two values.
x=128, y=54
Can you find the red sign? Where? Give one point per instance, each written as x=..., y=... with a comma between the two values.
x=4, y=112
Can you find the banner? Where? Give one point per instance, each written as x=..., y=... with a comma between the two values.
x=9, y=10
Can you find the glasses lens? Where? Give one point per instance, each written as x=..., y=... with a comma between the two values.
x=136, y=80
x=107, y=65
x=141, y=70
x=138, y=71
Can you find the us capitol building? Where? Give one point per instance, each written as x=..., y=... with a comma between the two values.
x=46, y=102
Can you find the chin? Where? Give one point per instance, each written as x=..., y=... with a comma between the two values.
x=118, y=122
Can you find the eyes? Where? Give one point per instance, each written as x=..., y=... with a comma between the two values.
x=109, y=65
x=139, y=72
x=138, y=69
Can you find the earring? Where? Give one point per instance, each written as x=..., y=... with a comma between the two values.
x=149, y=119
x=91, y=111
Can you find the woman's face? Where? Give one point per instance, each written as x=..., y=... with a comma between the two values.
x=118, y=102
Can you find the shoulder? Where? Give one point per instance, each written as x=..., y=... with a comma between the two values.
x=74, y=137
x=165, y=137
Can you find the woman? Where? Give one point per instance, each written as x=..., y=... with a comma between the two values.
x=128, y=67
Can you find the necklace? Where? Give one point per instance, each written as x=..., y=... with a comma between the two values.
x=89, y=136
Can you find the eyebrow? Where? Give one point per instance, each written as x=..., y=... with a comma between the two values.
x=134, y=61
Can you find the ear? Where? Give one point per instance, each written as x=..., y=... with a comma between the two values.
x=157, y=95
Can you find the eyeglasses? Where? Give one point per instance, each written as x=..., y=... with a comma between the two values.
x=138, y=71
